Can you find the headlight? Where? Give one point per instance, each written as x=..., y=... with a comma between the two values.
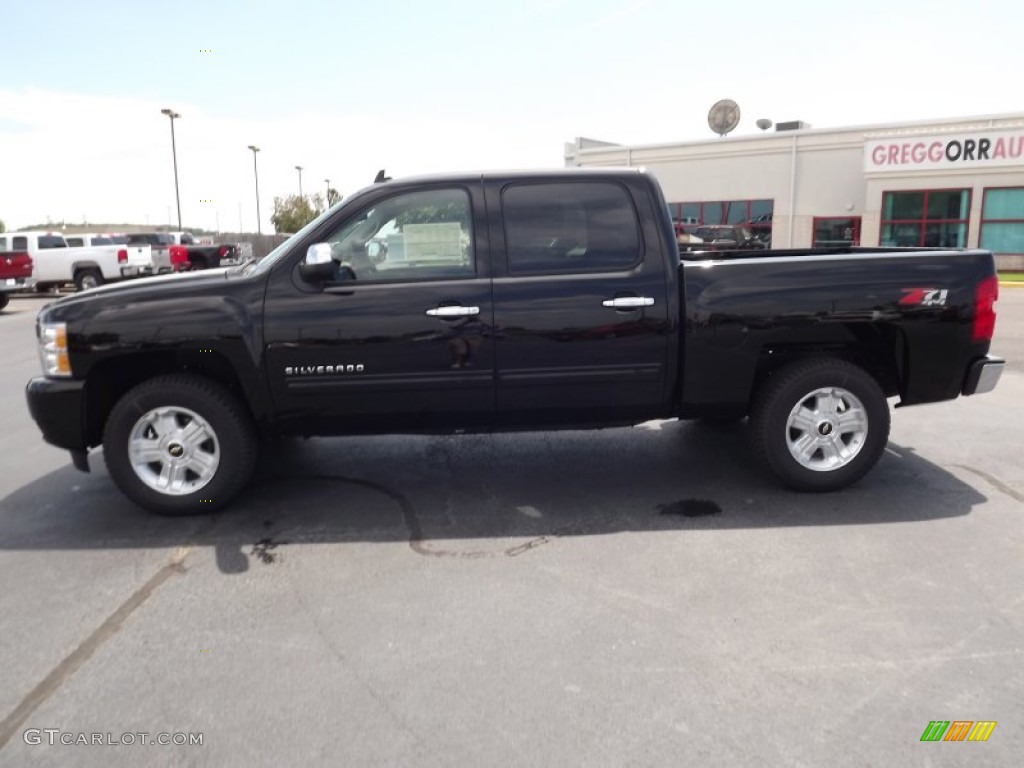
x=53, y=349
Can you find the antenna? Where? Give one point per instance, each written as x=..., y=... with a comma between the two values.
x=724, y=116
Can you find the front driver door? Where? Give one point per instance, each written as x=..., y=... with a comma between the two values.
x=400, y=339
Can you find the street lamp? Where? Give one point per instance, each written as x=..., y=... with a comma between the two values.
x=256, y=174
x=299, y=169
x=174, y=154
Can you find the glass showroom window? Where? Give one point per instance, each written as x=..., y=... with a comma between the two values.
x=931, y=218
x=756, y=214
x=1002, y=220
x=836, y=232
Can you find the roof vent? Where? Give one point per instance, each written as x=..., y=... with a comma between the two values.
x=792, y=125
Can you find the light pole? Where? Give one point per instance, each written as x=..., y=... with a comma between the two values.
x=256, y=174
x=327, y=200
x=174, y=154
x=299, y=169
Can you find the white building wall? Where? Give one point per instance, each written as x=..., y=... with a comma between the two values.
x=811, y=173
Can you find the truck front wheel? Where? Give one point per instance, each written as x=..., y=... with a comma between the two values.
x=179, y=445
x=820, y=424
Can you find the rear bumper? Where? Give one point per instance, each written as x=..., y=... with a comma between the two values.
x=17, y=283
x=134, y=270
x=983, y=375
x=58, y=407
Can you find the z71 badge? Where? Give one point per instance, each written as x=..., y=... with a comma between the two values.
x=925, y=297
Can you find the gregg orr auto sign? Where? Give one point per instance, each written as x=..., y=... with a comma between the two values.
x=969, y=150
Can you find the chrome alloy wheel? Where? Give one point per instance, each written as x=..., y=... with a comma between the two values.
x=826, y=429
x=173, y=450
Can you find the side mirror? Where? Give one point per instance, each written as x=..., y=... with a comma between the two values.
x=318, y=266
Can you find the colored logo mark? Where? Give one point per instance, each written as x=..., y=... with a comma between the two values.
x=958, y=730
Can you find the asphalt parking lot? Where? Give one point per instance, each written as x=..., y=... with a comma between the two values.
x=624, y=597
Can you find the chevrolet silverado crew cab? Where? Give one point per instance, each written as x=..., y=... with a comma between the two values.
x=545, y=300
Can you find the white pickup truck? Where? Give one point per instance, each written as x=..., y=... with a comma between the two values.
x=92, y=261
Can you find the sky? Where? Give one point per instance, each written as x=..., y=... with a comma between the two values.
x=345, y=88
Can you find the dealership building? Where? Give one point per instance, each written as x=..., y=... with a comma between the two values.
x=940, y=183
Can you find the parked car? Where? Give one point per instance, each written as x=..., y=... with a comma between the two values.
x=168, y=256
x=206, y=255
x=508, y=301
x=55, y=263
x=723, y=237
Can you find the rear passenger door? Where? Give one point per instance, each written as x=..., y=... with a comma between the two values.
x=580, y=303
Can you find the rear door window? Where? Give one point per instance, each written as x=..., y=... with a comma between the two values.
x=570, y=227
x=51, y=241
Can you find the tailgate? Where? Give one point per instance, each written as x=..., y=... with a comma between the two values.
x=15, y=268
x=139, y=255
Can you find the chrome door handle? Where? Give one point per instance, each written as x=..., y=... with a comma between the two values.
x=453, y=311
x=628, y=302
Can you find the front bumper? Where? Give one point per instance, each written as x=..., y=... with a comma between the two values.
x=983, y=375
x=58, y=407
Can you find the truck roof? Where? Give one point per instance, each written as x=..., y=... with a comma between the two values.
x=567, y=173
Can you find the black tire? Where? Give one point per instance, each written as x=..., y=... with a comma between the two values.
x=200, y=263
x=855, y=421
x=4, y=299
x=88, y=278
x=232, y=438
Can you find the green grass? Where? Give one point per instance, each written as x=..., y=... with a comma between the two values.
x=1017, y=277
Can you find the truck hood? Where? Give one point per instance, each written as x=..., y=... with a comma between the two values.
x=142, y=291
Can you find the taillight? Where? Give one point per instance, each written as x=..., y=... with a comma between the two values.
x=985, y=296
x=122, y=255
x=222, y=251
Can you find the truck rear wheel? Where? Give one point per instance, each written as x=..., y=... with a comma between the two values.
x=820, y=424
x=4, y=298
x=88, y=278
x=179, y=445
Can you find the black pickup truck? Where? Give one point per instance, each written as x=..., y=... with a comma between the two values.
x=507, y=302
